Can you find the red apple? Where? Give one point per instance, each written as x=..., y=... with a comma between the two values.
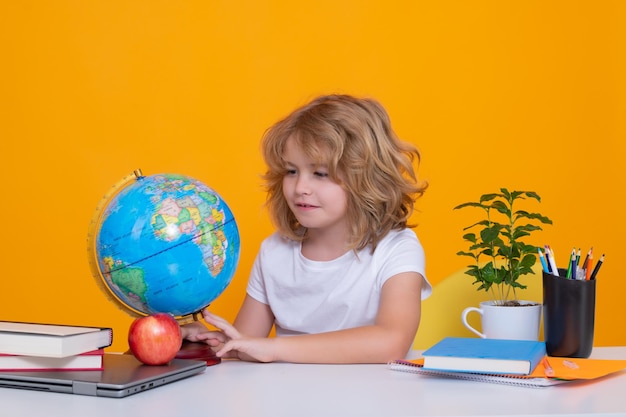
x=155, y=339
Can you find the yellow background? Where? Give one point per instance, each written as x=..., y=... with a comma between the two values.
x=518, y=94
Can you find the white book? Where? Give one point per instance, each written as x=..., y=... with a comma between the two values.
x=51, y=340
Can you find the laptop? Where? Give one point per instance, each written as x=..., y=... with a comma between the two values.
x=123, y=375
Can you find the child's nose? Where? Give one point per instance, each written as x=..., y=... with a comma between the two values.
x=303, y=185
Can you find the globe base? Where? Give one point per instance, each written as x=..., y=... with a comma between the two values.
x=198, y=351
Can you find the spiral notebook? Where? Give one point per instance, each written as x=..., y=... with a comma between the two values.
x=516, y=380
x=564, y=369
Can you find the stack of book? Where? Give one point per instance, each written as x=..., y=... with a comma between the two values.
x=512, y=362
x=52, y=347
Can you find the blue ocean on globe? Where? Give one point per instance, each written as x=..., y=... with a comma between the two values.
x=166, y=243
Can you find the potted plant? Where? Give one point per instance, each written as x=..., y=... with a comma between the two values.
x=500, y=254
x=500, y=243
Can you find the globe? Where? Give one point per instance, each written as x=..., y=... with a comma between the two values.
x=163, y=243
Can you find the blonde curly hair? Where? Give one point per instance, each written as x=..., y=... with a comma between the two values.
x=354, y=139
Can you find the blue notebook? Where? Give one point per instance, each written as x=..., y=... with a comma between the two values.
x=492, y=356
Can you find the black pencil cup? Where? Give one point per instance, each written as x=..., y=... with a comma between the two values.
x=568, y=315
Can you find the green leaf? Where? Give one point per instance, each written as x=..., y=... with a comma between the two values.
x=521, y=214
x=528, y=260
x=519, y=234
x=505, y=193
x=489, y=197
x=533, y=194
x=501, y=207
x=504, y=251
x=470, y=237
x=480, y=223
x=490, y=234
x=472, y=272
x=471, y=204
x=518, y=285
x=515, y=195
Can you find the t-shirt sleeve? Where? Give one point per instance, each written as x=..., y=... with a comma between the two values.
x=403, y=253
x=256, y=285
x=256, y=282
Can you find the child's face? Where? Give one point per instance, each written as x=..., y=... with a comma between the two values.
x=315, y=199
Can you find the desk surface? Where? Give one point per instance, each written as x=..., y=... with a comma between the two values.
x=235, y=388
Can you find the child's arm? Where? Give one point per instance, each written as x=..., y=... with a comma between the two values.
x=390, y=337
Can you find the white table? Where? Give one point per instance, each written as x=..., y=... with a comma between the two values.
x=235, y=388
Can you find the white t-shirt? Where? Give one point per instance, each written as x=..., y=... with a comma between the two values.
x=313, y=297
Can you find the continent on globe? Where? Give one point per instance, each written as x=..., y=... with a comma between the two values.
x=164, y=243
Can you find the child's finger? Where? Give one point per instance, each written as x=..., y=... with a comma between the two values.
x=221, y=324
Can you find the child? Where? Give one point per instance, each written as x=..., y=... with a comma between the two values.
x=343, y=277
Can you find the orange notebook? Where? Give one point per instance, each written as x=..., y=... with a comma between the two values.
x=562, y=370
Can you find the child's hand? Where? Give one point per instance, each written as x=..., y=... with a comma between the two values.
x=238, y=346
x=197, y=332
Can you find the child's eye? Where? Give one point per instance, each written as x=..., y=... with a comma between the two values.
x=290, y=172
x=321, y=174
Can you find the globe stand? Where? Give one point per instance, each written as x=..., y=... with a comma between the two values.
x=198, y=351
